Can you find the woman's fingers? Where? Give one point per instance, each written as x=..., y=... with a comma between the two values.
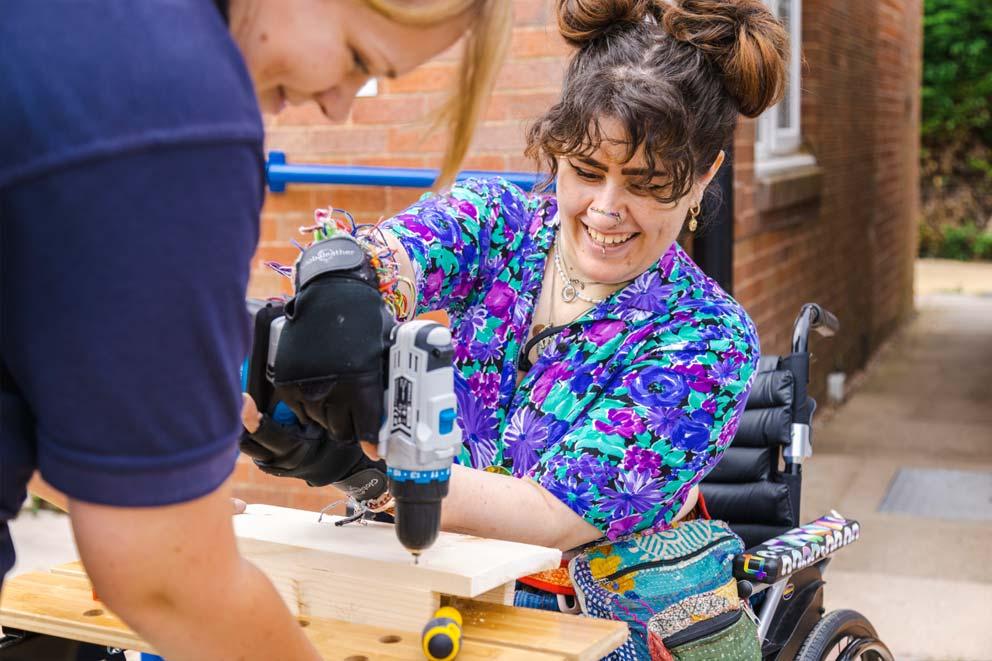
x=371, y=450
x=250, y=417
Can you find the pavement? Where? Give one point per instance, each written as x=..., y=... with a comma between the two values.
x=924, y=402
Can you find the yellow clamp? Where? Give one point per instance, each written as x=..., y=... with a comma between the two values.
x=442, y=635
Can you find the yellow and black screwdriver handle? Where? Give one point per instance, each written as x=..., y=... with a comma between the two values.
x=442, y=635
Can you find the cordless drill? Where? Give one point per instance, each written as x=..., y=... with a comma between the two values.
x=418, y=439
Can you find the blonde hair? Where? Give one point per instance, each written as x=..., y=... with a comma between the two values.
x=481, y=58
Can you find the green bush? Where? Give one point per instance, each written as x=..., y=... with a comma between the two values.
x=983, y=246
x=962, y=242
x=958, y=241
x=957, y=69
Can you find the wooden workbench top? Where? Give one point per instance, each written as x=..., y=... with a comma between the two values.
x=60, y=603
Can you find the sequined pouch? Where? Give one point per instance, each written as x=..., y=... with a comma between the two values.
x=643, y=576
x=731, y=636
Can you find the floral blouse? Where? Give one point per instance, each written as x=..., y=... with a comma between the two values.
x=634, y=402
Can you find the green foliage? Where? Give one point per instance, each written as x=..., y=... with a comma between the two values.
x=957, y=69
x=962, y=242
x=983, y=246
x=958, y=241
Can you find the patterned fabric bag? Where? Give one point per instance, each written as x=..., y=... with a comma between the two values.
x=668, y=583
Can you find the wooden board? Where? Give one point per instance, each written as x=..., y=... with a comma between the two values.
x=60, y=604
x=579, y=638
x=361, y=573
x=459, y=565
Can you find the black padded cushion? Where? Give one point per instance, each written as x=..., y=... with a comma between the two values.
x=745, y=488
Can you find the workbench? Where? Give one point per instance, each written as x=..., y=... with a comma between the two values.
x=60, y=603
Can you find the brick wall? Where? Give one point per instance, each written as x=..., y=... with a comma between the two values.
x=846, y=240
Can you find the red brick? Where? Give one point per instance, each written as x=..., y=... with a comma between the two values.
x=544, y=41
x=388, y=110
x=431, y=77
x=346, y=140
x=521, y=105
x=532, y=12
x=415, y=139
x=545, y=74
x=502, y=136
x=358, y=199
x=401, y=198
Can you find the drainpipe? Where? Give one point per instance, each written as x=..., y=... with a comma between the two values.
x=713, y=248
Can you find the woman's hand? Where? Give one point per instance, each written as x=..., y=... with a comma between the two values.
x=250, y=417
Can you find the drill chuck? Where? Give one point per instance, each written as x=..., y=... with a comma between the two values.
x=418, y=506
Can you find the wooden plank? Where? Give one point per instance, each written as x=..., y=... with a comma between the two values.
x=459, y=565
x=70, y=569
x=573, y=636
x=311, y=585
x=501, y=595
x=60, y=604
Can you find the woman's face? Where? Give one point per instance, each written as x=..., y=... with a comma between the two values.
x=325, y=50
x=612, y=229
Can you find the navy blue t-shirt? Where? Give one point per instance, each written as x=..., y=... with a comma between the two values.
x=130, y=187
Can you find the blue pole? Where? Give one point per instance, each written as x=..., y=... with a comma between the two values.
x=279, y=173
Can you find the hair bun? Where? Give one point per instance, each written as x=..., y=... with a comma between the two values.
x=581, y=21
x=743, y=38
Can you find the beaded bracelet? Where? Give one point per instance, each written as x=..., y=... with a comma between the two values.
x=329, y=222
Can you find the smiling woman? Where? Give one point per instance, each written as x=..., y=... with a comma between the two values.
x=324, y=51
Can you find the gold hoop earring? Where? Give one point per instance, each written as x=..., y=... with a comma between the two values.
x=693, y=217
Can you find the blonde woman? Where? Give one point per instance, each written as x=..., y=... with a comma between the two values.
x=130, y=188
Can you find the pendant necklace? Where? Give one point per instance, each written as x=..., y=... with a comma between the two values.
x=570, y=290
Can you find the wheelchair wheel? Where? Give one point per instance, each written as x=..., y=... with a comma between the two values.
x=843, y=635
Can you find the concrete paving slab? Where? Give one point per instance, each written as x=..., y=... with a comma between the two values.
x=920, y=619
x=42, y=540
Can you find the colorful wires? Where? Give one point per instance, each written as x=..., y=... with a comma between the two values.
x=331, y=221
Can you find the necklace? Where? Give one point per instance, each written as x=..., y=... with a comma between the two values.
x=570, y=290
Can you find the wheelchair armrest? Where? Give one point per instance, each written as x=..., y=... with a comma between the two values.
x=801, y=547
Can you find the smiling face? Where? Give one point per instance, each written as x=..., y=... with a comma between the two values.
x=612, y=227
x=325, y=50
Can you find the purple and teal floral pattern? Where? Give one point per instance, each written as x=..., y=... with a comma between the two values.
x=632, y=405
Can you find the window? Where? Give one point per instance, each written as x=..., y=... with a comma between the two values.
x=778, y=138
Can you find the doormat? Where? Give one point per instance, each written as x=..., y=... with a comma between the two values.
x=940, y=494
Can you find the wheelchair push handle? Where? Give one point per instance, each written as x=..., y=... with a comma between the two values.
x=816, y=318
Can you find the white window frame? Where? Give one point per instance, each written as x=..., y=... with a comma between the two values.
x=777, y=148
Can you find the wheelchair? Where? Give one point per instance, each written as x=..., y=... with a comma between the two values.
x=756, y=488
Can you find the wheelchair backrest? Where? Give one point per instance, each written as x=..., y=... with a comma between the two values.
x=747, y=488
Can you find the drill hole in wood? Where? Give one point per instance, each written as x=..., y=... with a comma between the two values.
x=93, y=612
x=390, y=639
x=304, y=623
x=357, y=658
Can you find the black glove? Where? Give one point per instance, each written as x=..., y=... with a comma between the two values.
x=306, y=452
x=330, y=361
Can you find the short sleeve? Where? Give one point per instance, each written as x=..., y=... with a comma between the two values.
x=455, y=240
x=124, y=322
x=628, y=464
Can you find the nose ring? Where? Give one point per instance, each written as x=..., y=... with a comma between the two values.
x=612, y=214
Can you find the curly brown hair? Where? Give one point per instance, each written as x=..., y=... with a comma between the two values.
x=674, y=74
